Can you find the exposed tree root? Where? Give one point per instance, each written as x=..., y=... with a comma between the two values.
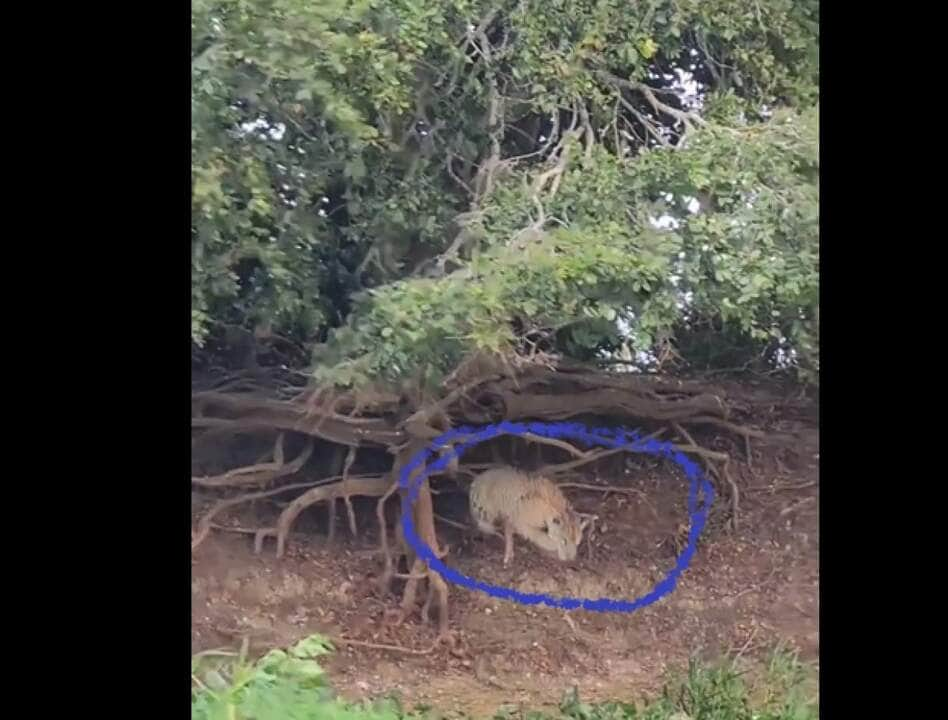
x=385, y=580
x=234, y=529
x=574, y=451
x=485, y=390
x=261, y=473
x=204, y=525
x=797, y=486
x=745, y=432
x=248, y=412
x=346, y=498
x=720, y=472
x=331, y=509
x=366, y=485
x=594, y=455
x=796, y=506
x=735, y=495
x=423, y=520
x=452, y=523
x=605, y=489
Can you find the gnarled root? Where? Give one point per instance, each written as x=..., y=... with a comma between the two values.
x=260, y=473
x=721, y=472
x=206, y=522
x=385, y=581
x=366, y=485
x=437, y=589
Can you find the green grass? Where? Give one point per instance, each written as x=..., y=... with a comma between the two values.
x=292, y=685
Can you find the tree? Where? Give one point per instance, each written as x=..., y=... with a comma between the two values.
x=442, y=201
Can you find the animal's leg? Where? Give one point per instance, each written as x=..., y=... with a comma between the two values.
x=508, y=543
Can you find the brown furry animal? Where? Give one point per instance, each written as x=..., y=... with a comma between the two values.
x=528, y=505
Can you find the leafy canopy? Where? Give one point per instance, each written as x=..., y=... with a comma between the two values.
x=398, y=183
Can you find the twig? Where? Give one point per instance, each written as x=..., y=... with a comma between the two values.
x=350, y=458
x=593, y=456
x=686, y=118
x=553, y=175
x=796, y=506
x=453, y=523
x=383, y=535
x=724, y=424
x=234, y=529
x=379, y=646
x=747, y=644
x=575, y=452
x=724, y=458
x=365, y=485
x=195, y=679
x=217, y=652
x=260, y=473
x=601, y=488
x=588, y=130
x=611, y=489
x=546, y=145
x=703, y=452
x=204, y=526
x=449, y=166
x=410, y=576
x=800, y=486
x=645, y=122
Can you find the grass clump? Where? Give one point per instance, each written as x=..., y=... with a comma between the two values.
x=291, y=684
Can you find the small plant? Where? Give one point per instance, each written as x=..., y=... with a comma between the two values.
x=282, y=685
x=572, y=707
x=292, y=685
x=715, y=693
x=722, y=693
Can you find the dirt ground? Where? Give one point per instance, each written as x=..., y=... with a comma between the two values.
x=744, y=592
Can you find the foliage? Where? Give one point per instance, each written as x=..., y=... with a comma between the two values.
x=291, y=685
x=282, y=685
x=340, y=148
x=748, y=262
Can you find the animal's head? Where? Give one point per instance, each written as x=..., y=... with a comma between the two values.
x=562, y=533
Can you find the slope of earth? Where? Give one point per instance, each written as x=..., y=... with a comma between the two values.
x=744, y=592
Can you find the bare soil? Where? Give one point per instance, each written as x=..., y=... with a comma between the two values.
x=744, y=592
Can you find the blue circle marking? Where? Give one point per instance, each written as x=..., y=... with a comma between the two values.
x=607, y=437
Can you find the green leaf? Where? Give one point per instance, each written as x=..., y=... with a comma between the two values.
x=355, y=169
x=306, y=669
x=647, y=48
x=312, y=646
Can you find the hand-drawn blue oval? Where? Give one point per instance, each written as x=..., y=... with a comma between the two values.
x=608, y=437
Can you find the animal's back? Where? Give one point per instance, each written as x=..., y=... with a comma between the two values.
x=513, y=495
x=531, y=506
